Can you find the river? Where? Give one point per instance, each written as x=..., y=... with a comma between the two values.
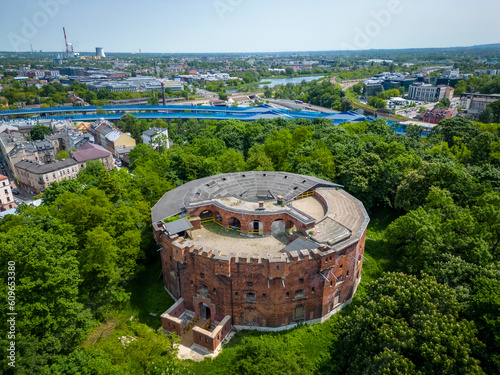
x=284, y=81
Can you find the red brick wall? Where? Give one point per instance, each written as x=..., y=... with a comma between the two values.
x=205, y=339
x=266, y=218
x=186, y=271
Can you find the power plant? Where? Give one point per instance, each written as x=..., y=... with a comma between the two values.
x=99, y=52
x=68, y=54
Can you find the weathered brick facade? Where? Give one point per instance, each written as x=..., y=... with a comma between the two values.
x=306, y=277
x=279, y=286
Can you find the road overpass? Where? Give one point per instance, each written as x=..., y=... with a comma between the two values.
x=172, y=112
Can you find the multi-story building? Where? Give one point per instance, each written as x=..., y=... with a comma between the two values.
x=35, y=177
x=68, y=138
x=387, y=81
x=116, y=139
x=474, y=104
x=91, y=151
x=99, y=130
x=258, y=250
x=6, y=197
x=108, y=137
x=429, y=93
x=39, y=152
x=8, y=141
x=451, y=77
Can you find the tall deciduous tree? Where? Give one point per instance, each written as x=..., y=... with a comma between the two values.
x=405, y=325
x=49, y=319
x=38, y=132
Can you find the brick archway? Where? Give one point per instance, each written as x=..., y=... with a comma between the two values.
x=278, y=227
x=205, y=311
x=197, y=302
x=206, y=214
x=255, y=227
x=218, y=217
x=235, y=222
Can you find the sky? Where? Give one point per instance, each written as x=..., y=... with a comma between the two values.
x=204, y=26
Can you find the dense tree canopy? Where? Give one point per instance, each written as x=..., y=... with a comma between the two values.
x=38, y=132
x=406, y=325
x=82, y=248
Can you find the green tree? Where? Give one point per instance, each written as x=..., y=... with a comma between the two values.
x=270, y=356
x=50, y=320
x=441, y=226
x=268, y=92
x=84, y=362
x=486, y=116
x=258, y=160
x=63, y=154
x=38, y=132
x=346, y=104
x=445, y=102
x=495, y=110
x=405, y=325
x=456, y=127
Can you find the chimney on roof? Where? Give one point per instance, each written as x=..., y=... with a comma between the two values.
x=261, y=205
x=279, y=199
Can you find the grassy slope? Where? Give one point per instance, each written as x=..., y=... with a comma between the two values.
x=148, y=295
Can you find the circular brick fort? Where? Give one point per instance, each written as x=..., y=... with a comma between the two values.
x=257, y=249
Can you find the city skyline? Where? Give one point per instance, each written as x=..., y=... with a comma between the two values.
x=225, y=26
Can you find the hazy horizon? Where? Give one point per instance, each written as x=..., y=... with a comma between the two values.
x=244, y=26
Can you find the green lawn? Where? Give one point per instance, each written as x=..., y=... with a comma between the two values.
x=148, y=295
x=379, y=254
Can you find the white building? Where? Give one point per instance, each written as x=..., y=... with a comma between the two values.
x=6, y=197
x=429, y=93
x=151, y=134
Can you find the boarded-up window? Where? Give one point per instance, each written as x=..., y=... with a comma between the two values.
x=301, y=293
x=299, y=312
x=336, y=300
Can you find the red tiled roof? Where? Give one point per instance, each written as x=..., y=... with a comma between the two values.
x=2, y=177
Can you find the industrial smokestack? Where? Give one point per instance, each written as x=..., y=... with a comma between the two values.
x=99, y=52
x=66, y=41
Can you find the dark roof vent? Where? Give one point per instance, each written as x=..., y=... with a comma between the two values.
x=243, y=175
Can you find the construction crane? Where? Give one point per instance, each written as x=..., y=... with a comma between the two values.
x=66, y=41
